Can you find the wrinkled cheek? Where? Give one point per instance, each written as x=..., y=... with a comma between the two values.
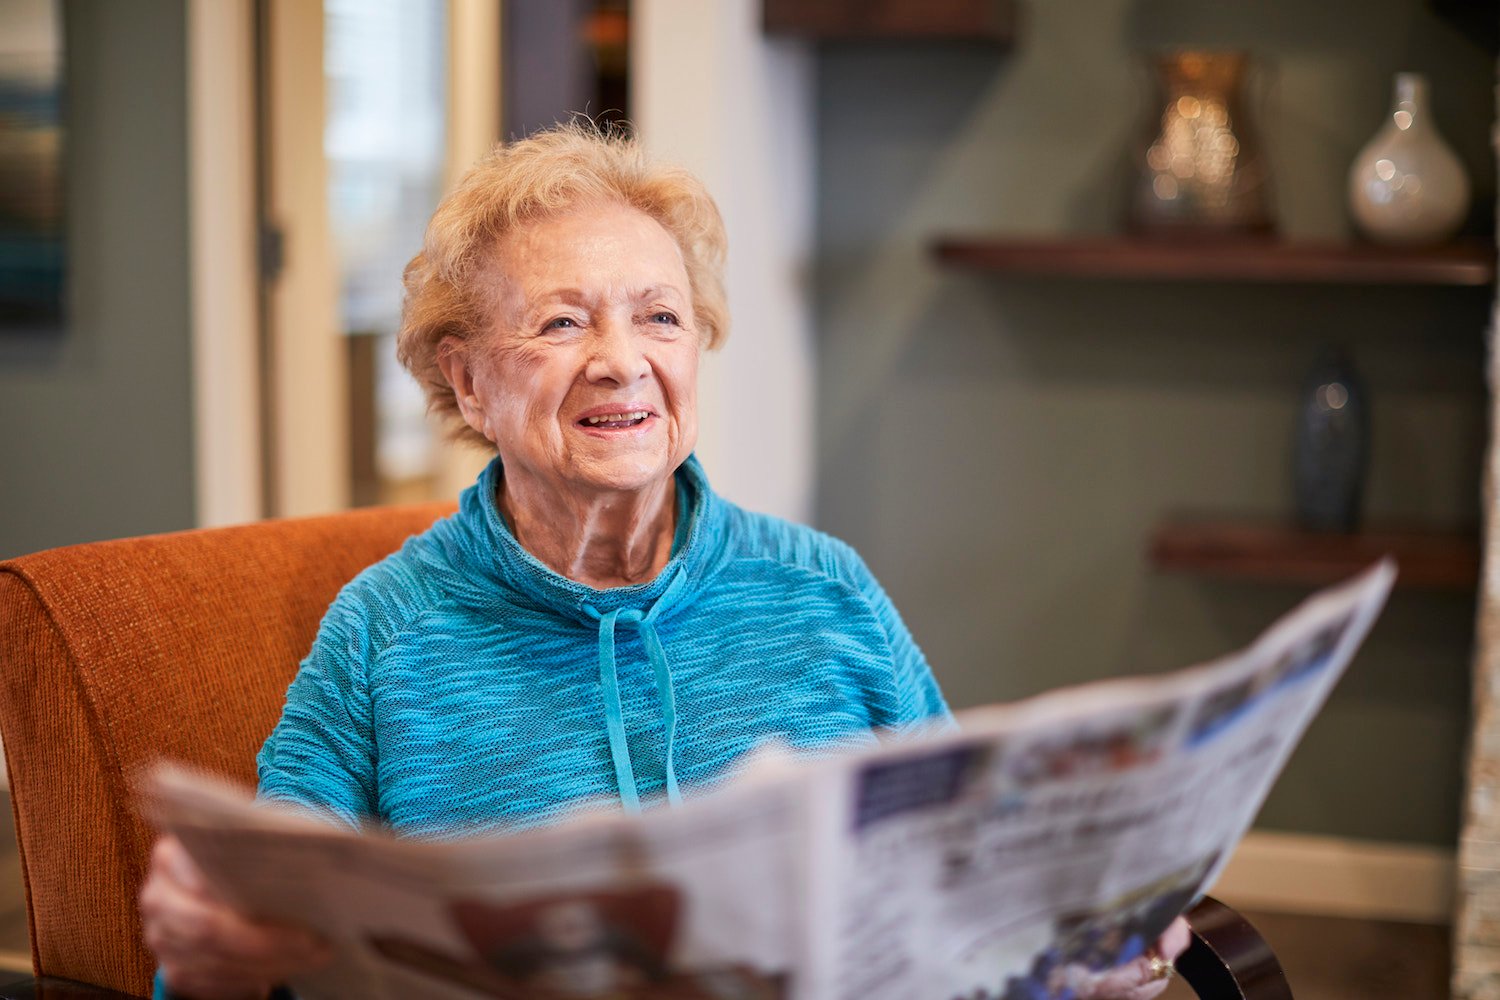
x=512, y=432
x=689, y=413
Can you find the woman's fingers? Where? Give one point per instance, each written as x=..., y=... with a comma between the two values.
x=1143, y=978
x=181, y=922
x=1174, y=940
x=171, y=859
x=1137, y=979
x=207, y=949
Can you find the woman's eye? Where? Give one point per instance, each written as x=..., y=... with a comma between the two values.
x=561, y=323
x=664, y=318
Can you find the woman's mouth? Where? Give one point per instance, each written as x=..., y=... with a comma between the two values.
x=615, y=421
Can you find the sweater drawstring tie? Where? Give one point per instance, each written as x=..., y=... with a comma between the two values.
x=614, y=720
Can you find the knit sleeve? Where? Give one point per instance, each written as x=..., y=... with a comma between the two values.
x=321, y=754
x=919, y=700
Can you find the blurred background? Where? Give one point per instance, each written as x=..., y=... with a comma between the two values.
x=1037, y=304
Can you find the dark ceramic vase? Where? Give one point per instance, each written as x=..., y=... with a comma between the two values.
x=1332, y=446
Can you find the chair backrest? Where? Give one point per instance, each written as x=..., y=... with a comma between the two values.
x=116, y=654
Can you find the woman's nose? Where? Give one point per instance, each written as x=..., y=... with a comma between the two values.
x=616, y=355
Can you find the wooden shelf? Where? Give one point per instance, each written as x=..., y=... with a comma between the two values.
x=1248, y=260
x=1269, y=551
x=989, y=21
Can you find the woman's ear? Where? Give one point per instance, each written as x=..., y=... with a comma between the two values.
x=453, y=361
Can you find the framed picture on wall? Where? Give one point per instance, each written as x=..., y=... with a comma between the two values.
x=32, y=239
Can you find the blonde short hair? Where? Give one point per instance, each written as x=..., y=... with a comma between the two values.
x=449, y=291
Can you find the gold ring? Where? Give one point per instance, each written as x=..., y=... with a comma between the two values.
x=1161, y=968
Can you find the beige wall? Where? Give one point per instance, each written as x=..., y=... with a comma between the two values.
x=709, y=90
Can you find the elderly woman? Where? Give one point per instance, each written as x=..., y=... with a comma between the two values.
x=594, y=623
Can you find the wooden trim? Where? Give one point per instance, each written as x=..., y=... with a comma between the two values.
x=474, y=102
x=1274, y=551
x=1332, y=876
x=308, y=374
x=988, y=21
x=1233, y=260
x=225, y=297
x=473, y=84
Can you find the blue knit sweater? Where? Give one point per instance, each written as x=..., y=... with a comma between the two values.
x=460, y=686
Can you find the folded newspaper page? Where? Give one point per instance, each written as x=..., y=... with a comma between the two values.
x=1040, y=844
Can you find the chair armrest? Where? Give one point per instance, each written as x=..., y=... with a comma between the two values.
x=52, y=988
x=1228, y=959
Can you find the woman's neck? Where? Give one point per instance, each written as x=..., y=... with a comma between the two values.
x=601, y=540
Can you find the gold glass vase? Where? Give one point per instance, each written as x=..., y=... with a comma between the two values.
x=1198, y=165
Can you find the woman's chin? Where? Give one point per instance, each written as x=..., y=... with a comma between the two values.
x=630, y=473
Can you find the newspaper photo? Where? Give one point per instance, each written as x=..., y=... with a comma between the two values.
x=1035, y=846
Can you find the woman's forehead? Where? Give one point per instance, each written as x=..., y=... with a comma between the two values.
x=587, y=249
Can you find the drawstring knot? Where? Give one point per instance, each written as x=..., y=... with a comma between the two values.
x=645, y=624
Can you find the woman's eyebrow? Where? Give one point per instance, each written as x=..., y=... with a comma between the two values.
x=659, y=291
x=534, y=303
x=544, y=301
x=569, y=295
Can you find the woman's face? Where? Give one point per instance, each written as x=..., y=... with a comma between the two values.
x=587, y=379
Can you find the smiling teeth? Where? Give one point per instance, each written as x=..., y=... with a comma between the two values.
x=616, y=418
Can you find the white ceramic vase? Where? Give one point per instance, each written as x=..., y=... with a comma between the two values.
x=1407, y=188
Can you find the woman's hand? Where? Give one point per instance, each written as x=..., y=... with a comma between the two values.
x=1140, y=978
x=206, y=949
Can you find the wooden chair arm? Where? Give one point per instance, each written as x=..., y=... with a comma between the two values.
x=1228, y=959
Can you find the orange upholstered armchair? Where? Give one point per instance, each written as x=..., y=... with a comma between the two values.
x=117, y=653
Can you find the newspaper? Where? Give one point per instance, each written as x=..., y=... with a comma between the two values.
x=1038, y=844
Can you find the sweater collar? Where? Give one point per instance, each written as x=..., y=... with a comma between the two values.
x=487, y=551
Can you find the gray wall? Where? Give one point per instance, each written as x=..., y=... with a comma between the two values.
x=97, y=439
x=999, y=449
